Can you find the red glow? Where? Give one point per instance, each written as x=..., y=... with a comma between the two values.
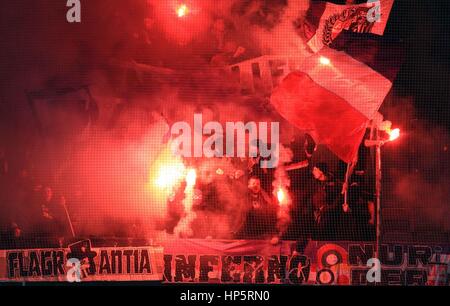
x=182, y=11
x=166, y=172
x=324, y=61
x=394, y=134
x=280, y=196
x=181, y=21
x=191, y=177
x=169, y=175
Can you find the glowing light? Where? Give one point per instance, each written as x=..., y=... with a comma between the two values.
x=394, y=134
x=169, y=175
x=191, y=177
x=324, y=61
x=280, y=195
x=182, y=10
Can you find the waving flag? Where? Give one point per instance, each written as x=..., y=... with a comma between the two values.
x=325, y=21
x=332, y=96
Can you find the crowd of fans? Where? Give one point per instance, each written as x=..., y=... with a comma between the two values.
x=318, y=210
x=34, y=214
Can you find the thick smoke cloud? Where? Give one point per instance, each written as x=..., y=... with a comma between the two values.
x=105, y=175
x=104, y=171
x=416, y=170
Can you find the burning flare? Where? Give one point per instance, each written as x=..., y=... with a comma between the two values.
x=283, y=197
x=394, y=134
x=191, y=177
x=182, y=10
x=280, y=196
x=324, y=61
x=166, y=173
x=169, y=175
x=184, y=226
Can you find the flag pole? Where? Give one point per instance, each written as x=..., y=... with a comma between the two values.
x=69, y=220
x=376, y=142
x=378, y=197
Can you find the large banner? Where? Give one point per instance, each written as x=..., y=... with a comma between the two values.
x=233, y=261
x=81, y=262
x=353, y=263
x=340, y=263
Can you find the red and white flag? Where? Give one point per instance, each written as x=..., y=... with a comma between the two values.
x=333, y=96
x=325, y=21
